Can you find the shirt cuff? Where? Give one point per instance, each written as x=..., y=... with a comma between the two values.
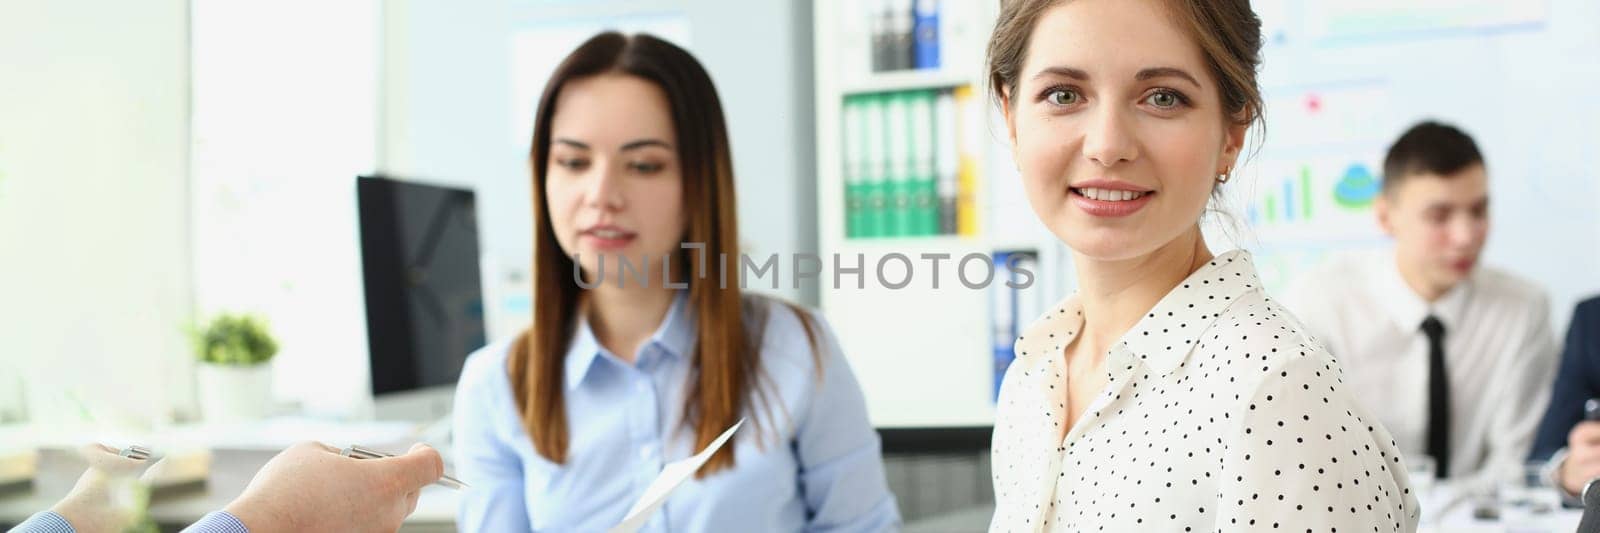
x=217, y=522
x=1552, y=475
x=45, y=522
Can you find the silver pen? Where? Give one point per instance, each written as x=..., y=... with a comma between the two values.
x=136, y=452
x=359, y=452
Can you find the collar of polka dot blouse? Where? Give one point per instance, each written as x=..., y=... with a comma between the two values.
x=1173, y=328
x=1170, y=330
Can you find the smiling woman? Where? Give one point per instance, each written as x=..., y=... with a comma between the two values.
x=1170, y=391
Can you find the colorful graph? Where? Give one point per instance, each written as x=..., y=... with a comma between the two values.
x=1306, y=192
x=1291, y=200
x=1357, y=188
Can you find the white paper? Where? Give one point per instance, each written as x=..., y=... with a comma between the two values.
x=672, y=475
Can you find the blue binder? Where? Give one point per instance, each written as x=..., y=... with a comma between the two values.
x=925, y=31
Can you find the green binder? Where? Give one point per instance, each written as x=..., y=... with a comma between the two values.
x=900, y=203
x=875, y=178
x=854, y=167
x=924, y=179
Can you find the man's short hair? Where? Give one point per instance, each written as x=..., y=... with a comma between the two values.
x=1429, y=148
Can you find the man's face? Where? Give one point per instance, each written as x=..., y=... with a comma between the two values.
x=1439, y=224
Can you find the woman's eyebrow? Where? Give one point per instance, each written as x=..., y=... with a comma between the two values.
x=1068, y=72
x=1166, y=72
x=572, y=143
x=1143, y=75
x=646, y=142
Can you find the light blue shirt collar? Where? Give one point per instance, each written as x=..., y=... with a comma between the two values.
x=674, y=337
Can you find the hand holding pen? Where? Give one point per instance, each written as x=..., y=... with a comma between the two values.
x=315, y=487
x=1582, y=462
x=359, y=452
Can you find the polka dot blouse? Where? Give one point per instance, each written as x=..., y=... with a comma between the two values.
x=1218, y=415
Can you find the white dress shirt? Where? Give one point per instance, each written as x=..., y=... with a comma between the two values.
x=1500, y=355
x=1218, y=415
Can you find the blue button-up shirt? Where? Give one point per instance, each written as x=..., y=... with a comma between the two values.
x=814, y=466
x=50, y=522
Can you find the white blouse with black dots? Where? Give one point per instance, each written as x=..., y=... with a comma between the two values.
x=1218, y=415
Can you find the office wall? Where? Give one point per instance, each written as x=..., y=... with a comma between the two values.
x=285, y=112
x=449, y=107
x=94, y=255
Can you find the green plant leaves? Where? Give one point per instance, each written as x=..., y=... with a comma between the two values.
x=235, y=339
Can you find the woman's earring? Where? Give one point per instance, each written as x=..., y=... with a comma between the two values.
x=1226, y=175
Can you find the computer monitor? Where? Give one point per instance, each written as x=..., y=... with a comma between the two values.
x=424, y=296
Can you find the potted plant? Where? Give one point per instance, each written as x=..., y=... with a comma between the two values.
x=235, y=379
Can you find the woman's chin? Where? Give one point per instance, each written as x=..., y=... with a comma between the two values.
x=1108, y=244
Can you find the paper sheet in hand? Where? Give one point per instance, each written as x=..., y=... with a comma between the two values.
x=672, y=475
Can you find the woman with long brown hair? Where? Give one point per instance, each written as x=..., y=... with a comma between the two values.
x=642, y=348
x=1170, y=393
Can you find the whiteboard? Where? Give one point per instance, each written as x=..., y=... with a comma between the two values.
x=1342, y=79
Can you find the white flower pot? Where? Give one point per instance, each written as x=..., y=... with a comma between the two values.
x=233, y=393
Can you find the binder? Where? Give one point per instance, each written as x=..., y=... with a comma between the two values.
x=855, y=166
x=1012, y=308
x=971, y=126
x=1030, y=302
x=924, y=194
x=899, y=208
x=900, y=26
x=874, y=177
x=925, y=30
x=947, y=161
x=1002, y=322
x=882, y=28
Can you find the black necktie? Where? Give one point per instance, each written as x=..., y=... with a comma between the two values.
x=1438, y=397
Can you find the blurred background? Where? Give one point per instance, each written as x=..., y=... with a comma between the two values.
x=164, y=163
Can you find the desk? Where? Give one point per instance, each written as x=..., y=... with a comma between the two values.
x=230, y=471
x=1457, y=516
x=1459, y=520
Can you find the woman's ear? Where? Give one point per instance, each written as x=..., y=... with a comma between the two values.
x=1232, y=144
x=1008, y=112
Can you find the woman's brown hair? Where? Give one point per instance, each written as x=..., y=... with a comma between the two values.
x=1228, y=32
x=725, y=356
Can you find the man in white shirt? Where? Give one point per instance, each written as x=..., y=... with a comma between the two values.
x=1456, y=359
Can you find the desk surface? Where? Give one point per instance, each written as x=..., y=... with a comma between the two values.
x=1458, y=520
x=230, y=471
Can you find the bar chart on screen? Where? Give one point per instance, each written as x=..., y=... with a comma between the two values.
x=1327, y=198
x=1297, y=197
x=1318, y=173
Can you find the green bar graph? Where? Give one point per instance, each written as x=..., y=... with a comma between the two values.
x=1305, y=191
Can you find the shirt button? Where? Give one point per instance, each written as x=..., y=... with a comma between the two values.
x=647, y=452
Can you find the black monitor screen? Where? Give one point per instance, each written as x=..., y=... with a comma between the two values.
x=419, y=256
